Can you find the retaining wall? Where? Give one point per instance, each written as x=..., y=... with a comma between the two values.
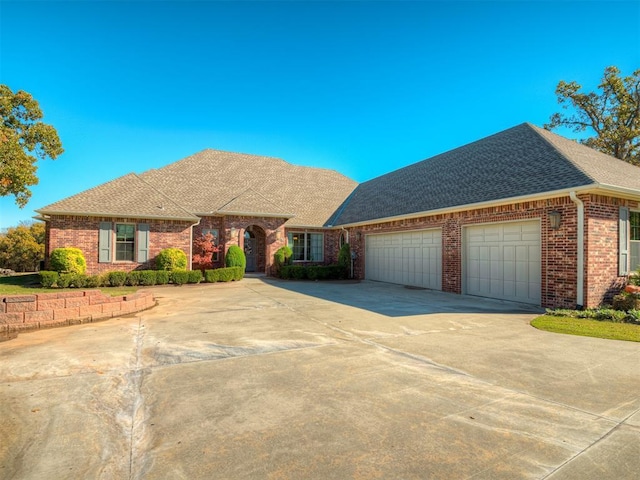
x=20, y=313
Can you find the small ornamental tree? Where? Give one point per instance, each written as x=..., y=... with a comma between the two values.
x=204, y=247
x=68, y=260
x=235, y=257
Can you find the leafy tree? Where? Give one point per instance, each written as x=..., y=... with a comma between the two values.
x=23, y=140
x=22, y=247
x=204, y=247
x=613, y=114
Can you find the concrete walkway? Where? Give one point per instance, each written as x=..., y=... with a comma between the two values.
x=263, y=379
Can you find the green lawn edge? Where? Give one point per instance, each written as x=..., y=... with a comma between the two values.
x=588, y=328
x=29, y=284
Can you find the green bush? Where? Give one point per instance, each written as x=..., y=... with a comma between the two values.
x=239, y=273
x=79, y=280
x=162, y=277
x=179, y=277
x=227, y=274
x=195, y=276
x=68, y=260
x=148, y=278
x=212, y=276
x=48, y=279
x=94, y=281
x=116, y=278
x=235, y=257
x=281, y=258
x=344, y=260
x=171, y=259
x=133, y=278
x=65, y=280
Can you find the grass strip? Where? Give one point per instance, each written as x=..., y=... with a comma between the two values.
x=588, y=328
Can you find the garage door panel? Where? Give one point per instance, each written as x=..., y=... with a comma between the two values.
x=503, y=261
x=406, y=258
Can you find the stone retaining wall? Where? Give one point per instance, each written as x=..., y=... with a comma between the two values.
x=19, y=313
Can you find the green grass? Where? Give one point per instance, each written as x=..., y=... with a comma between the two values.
x=29, y=283
x=588, y=328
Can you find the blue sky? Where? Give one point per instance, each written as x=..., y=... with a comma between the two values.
x=360, y=87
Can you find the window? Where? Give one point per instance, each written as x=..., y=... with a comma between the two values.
x=125, y=242
x=214, y=233
x=307, y=247
x=131, y=242
x=343, y=238
x=634, y=237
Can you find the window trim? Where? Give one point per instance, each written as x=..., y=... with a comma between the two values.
x=116, y=242
x=307, y=246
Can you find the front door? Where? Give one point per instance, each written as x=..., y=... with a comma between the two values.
x=250, y=251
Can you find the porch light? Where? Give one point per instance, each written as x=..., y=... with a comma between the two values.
x=358, y=236
x=555, y=219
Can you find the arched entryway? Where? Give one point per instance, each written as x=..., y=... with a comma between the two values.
x=254, y=248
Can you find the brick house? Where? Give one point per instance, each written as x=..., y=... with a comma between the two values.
x=523, y=215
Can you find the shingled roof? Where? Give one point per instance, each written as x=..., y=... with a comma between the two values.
x=214, y=182
x=128, y=196
x=521, y=161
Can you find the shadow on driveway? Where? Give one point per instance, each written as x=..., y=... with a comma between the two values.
x=397, y=300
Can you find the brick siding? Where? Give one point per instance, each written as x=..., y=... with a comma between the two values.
x=83, y=233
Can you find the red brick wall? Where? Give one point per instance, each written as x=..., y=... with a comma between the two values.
x=602, y=242
x=83, y=233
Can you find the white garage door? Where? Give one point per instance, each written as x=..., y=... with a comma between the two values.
x=407, y=258
x=503, y=261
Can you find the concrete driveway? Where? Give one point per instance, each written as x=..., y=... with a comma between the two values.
x=264, y=379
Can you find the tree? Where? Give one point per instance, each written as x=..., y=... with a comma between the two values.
x=204, y=247
x=613, y=114
x=23, y=140
x=22, y=247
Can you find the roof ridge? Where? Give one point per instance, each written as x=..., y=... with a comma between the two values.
x=538, y=131
x=164, y=195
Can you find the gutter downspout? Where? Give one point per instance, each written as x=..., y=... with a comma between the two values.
x=190, y=259
x=580, y=286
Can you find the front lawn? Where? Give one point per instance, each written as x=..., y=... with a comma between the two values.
x=29, y=283
x=588, y=328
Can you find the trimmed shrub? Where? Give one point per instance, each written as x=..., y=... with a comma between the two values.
x=48, y=279
x=65, y=280
x=179, y=277
x=195, y=276
x=212, y=276
x=133, y=278
x=116, y=278
x=68, y=260
x=79, y=280
x=298, y=272
x=148, y=278
x=171, y=259
x=93, y=281
x=239, y=273
x=285, y=272
x=162, y=277
x=235, y=257
x=227, y=274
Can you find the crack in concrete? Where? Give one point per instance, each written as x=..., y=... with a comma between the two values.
x=607, y=434
x=135, y=378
